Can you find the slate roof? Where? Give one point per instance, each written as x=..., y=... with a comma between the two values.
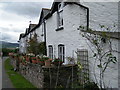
x=21, y=35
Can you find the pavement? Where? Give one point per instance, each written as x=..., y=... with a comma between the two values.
x=6, y=83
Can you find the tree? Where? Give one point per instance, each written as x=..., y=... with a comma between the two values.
x=36, y=47
x=33, y=45
x=6, y=51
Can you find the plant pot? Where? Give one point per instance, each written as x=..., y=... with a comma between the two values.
x=41, y=63
x=27, y=59
x=47, y=63
x=33, y=58
x=34, y=61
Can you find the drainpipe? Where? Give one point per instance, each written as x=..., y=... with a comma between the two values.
x=87, y=18
x=45, y=37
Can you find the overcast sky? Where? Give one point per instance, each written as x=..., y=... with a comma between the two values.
x=15, y=17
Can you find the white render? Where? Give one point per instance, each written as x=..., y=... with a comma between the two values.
x=40, y=33
x=74, y=16
x=104, y=13
x=22, y=45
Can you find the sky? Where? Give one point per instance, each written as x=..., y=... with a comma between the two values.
x=15, y=17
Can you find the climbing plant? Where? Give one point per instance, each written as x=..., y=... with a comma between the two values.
x=104, y=57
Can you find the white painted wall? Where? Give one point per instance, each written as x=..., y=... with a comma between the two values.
x=22, y=45
x=69, y=36
x=73, y=17
x=104, y=13
x=40, y=33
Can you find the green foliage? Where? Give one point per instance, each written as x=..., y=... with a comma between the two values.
x=91, y=86
x=42, y=48
x=104, y=57
x=87, y=86
x=60, y=86
x=7, y=51
x=44, y=58
x=35, y=47
x=57, y=60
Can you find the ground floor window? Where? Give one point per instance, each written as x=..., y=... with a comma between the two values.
x=61, y=52
x=50, y=48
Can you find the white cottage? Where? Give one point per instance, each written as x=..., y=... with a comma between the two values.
x=21, y=43
x=58, y=28
x=24, y=39
x=63, y=38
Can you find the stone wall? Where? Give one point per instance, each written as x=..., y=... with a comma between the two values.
x=48, y=77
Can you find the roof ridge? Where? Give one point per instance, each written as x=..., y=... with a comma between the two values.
x=46, y=8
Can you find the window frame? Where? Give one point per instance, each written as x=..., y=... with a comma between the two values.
x=50, y=52
x=60, y=17
x=61, y=54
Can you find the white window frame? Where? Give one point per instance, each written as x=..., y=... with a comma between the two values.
x=60, y=15
x=61, y=53
x=42, y=29
x=50, y=49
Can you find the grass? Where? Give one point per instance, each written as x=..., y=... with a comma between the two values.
x=17, y=80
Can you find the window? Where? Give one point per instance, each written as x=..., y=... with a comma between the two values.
x=60, y=19
x=61, y=51
x=60, y=14
x=42, y=29
x=50, y=47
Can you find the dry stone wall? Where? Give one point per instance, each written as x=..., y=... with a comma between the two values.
x=49, y=77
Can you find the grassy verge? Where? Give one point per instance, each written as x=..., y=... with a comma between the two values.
x=17, y=80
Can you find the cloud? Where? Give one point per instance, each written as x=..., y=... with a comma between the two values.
x=15, y=17
x=25, y=8
x=10, y=36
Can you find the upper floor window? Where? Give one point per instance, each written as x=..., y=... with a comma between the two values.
x=42, y=29
x=50, y=48
x=60, y=14
x=61, y=52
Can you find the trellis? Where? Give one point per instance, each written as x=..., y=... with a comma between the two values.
x=82, y=57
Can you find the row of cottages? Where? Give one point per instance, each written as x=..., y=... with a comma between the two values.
x=24, y=39
x=58, y=28
x=33, y=29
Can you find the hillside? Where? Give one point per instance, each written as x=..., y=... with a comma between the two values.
x=4, y=44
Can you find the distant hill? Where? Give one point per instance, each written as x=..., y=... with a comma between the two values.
x=4, y=44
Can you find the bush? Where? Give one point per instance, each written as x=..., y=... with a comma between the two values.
x=91, y=86
x=7, y=51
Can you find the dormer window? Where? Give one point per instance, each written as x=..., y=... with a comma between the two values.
x=60, y=14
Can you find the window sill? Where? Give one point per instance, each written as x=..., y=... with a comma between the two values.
x=60, y=28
